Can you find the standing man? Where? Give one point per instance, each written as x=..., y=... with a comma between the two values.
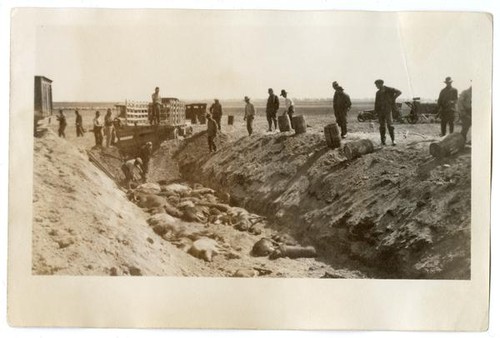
x=249, y=115
x=341, y=105
x=384, y=102
x=465, y=109
x=98, y=129
x=62, y=124
x=79, y=124
x=211, y=133
x=156, y=98
x=108, y=127
x=145, y=155
x=289, y=107
x=446, y=105
x=273, y=104
x=216, y=111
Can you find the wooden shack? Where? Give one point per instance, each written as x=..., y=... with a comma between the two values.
x=43, y=97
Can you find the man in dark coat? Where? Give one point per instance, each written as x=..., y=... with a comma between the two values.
x=384, y=102
x=341, y=105
x=216, y=111
x=62, y=124
x=79, y=124
x=273, y=104
x=447, y=102
x=211, y=133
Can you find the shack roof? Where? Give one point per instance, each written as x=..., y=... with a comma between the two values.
x=43, y=78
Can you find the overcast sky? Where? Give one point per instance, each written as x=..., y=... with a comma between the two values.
x=113, y=56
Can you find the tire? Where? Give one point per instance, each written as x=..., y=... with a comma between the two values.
x=412, y=119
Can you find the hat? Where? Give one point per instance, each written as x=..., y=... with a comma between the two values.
x=139, y=160
x=448, y=80
x=246, y=98
x=149, y=143
x=283, y=92
x=208, y=115
x=335, y=84
x=379, y=81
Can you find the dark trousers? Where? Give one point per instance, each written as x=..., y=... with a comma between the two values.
x=447, y=118
x=211, y=143
x=61, y=131
x=342, y=122
x=79, y=131
x=466, y=123
x=250, y=125
x=98, y=136
x=156, y=114
x=217, y=120
x=385, y=118
x=271, y=117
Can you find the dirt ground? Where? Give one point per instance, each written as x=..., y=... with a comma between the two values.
x=395, y=213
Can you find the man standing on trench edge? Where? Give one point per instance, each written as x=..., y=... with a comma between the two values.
x=211, y=133
x=249, y=115
x=384, y=102
x=273, y=104
x=216, y=111
x=145, y=155
x=447, y=102
x=289, y=107
x=341, y=105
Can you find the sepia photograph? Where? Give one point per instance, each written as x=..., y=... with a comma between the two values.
x=253, y=145
x=220, y=148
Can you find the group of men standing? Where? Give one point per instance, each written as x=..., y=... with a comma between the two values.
x=61, y=118
x=106, y=128
x=385, y=107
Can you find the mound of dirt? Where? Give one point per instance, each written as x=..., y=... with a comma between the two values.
x=396, y=210
x=84, y=225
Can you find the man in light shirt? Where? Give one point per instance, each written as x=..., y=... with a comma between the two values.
x=156, y=98
x=98, y=129
x=249, y=115
x=289, y=108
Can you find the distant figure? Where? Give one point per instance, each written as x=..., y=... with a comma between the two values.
x=98, y=129
x=465, y=109
x=145, y=154
x=447, y=105
x=273, y=104
x=108, y=127
x=384, y=102
x=156, y=98
x=341, y=105
x=211, y=133
x=289, y=107
x=216, y=111
x=132, y=169
x=249, y=115
x=79, y=124
x=62, y=124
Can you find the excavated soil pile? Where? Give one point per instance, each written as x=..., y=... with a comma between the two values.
x=396, y=211
x=84, y=225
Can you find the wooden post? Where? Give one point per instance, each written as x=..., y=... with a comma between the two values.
x=230, y=120
x=332, y=135
x=284, y=123
x=450, y=145
x=299, y=124
x=355, y=149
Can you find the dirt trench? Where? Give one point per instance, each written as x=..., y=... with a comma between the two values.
x=395, y=213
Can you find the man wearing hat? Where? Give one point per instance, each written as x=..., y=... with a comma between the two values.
x=447, y=105
x=211, y=133
x=289, y=108
x=385, y=99
x=216, y=111
x=273, y=104
x=249, y=115
x=341, y=105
